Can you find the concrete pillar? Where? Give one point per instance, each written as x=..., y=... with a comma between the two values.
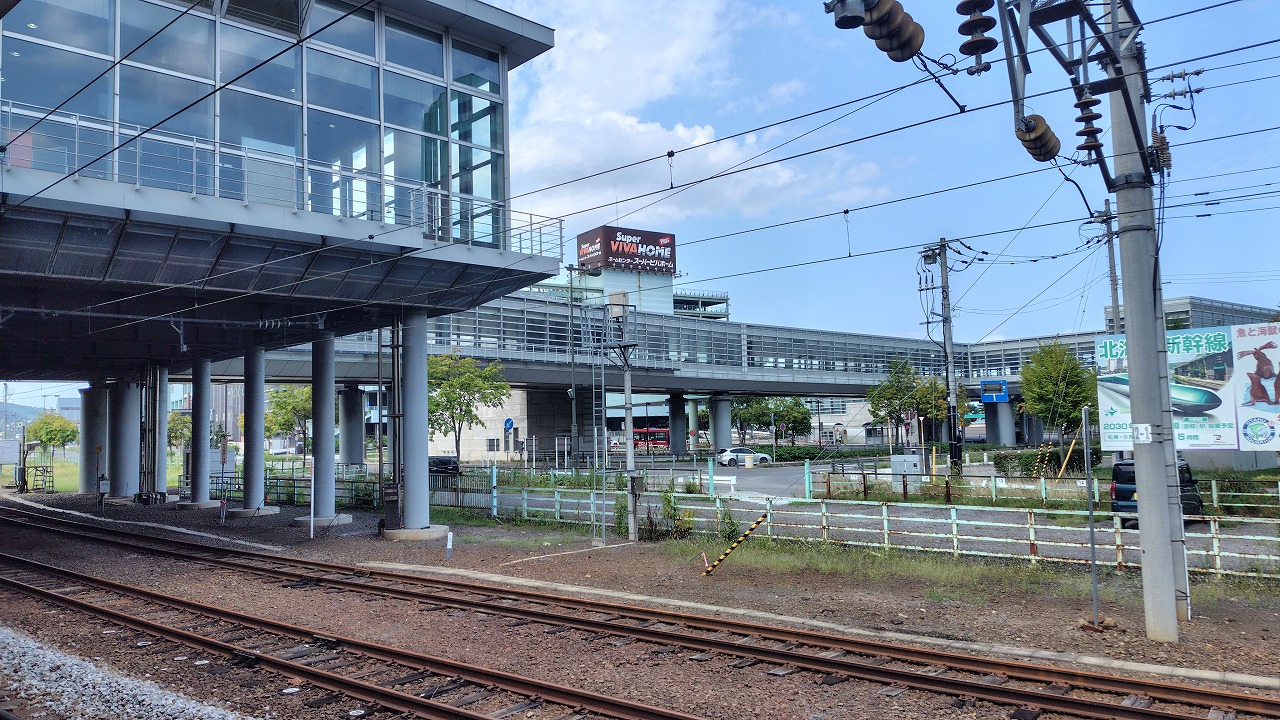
x=201, y=406
x=93, y=437
x=255, y=419
x=124, y=437
x=417, y=490
x=162, y=431
x=1032, y=429
x=721, y=422
x=416, y=501
x=677, y=427
x=322, y=398
x=351, y=425
x=1000, y=426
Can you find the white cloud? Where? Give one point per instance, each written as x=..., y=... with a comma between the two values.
x=615, y=90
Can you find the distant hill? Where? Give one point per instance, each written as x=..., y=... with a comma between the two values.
x=18, y=415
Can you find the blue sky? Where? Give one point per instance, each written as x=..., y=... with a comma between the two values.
x=630, y=80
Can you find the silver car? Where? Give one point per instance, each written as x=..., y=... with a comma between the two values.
x=738, y=456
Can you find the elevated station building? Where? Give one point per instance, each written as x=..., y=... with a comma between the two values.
x=185, y=183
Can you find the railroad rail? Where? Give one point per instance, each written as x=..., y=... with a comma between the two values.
x=834, y=657
x=386, y=677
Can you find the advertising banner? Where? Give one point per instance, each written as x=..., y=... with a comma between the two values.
x=1255, y=393
x=623, y=249
x=1200, y=389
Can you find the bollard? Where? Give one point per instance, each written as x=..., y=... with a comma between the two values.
x=448, y=546
x=493, y=489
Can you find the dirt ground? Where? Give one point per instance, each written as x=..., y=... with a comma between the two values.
x=936, y=597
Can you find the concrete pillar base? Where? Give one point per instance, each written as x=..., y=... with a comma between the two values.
x=305, y=521
x=434, y=532
x=252, y=512
x=202, y=505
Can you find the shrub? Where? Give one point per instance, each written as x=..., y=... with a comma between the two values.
x=620, y=508
x=692, y=487
x=1027, y=463
x=726, y=527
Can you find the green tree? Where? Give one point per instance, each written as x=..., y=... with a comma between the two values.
x=53, y=430
x=457, y=386
x=747, y=414
x=792, y=412
x=179, y=429
x=288, y=411
x=1055, y=386
x=895, y=400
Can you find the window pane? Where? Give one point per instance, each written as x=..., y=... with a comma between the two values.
x=277, y=14
x=86, y=24
x=409, y=156
x=477, y=172
x=476, y=120
x=336, y=140
x=45, y=76
x=148, y=97
x=414, y=48
x=354, y=32
x=260, y=123
x=186, y=46
x=476, y=67
x=242, y=50
x=413, y=103
x=342, y=84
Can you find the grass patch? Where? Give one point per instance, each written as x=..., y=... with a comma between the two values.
x=1209, y=594
x=939, y=577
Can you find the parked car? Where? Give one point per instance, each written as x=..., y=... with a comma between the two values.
x=1124, y=491
x=738, y=456
x=444, y=465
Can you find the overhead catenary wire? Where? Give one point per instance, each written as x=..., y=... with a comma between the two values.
x=489, y=277
x=781, y=160
x=641, y=196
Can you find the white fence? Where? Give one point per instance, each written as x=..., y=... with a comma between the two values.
x=1220, y=546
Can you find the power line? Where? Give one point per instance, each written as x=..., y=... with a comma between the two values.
x=397, y=229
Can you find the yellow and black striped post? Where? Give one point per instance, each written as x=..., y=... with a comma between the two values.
x=736, y=543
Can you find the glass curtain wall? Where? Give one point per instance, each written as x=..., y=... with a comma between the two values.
x=376, y=117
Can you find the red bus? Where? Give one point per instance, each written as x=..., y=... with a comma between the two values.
x=652, y=440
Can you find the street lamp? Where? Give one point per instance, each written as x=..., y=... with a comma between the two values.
x=573, y=359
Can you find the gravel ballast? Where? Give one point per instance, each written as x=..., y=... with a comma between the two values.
x=80, y=690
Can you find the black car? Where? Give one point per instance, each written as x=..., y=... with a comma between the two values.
x=445, y=465
x=1124, y=491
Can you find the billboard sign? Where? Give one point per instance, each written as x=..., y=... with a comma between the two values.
x=1200, y=390
x=617, y=248
x=1255, y=387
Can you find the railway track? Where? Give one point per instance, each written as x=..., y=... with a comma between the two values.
x=1028, y=686
x=385, y=678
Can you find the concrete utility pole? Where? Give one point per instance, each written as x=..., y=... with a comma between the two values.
x=1159, y=499
x=939, y=255
x=1130, y=176
x=1109, y=220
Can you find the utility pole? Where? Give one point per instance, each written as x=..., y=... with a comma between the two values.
x=1128, y=172
x=1109, y=219
x=938, y=255
x=1158, y=505
x=619, y=313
